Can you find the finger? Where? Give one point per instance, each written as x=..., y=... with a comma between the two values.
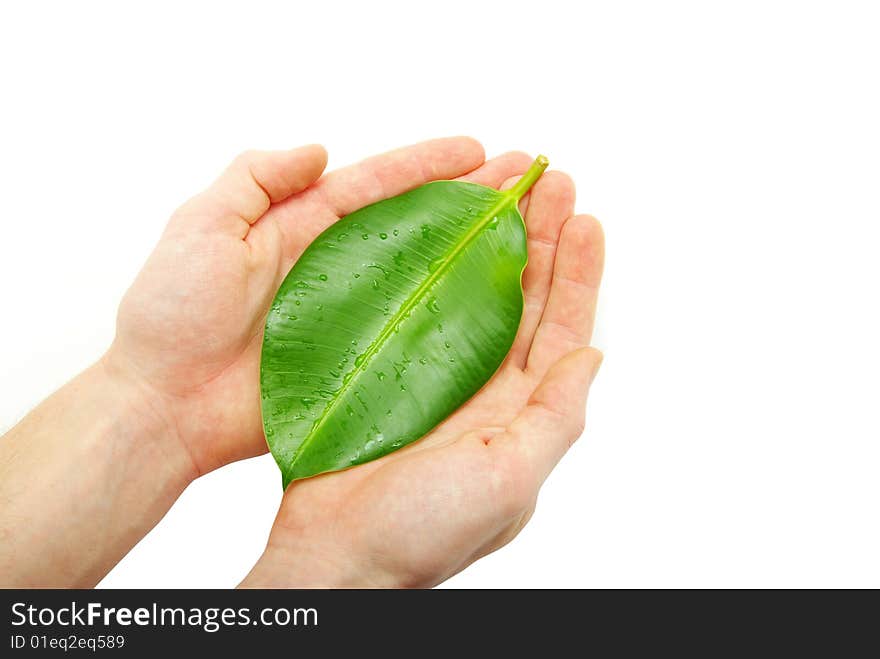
x=567, y=321
x=553, y=419
x=392, y=173
x=551, y=202
x=493, y=173
x=254, y=181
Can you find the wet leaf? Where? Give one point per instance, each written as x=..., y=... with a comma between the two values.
x=390, y=320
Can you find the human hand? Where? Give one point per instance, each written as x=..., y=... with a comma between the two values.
x=189, y=331
x=422, y=514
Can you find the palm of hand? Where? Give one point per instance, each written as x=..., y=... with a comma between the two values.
x=420, y=515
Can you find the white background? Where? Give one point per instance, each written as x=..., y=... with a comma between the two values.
x=732, y=151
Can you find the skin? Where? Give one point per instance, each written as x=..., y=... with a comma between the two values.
x=92, y=469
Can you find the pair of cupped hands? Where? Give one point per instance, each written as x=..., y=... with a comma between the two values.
x=189, y=334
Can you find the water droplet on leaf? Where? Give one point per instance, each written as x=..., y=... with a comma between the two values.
x=380, y=269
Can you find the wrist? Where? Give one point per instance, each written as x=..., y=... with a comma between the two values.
x=91, y=469
x=148, y=417
x=312, y=566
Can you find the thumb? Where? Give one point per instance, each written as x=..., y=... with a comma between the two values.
x=254, y=181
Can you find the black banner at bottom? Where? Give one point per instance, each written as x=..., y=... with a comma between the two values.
x=132, y=622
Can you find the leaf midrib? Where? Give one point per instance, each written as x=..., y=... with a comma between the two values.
x=506, y=199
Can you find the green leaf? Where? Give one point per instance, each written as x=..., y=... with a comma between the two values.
x=389, y=321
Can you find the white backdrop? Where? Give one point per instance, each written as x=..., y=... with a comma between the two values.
x=730, y=149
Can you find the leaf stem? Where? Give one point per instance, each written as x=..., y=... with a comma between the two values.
x=529, y=178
